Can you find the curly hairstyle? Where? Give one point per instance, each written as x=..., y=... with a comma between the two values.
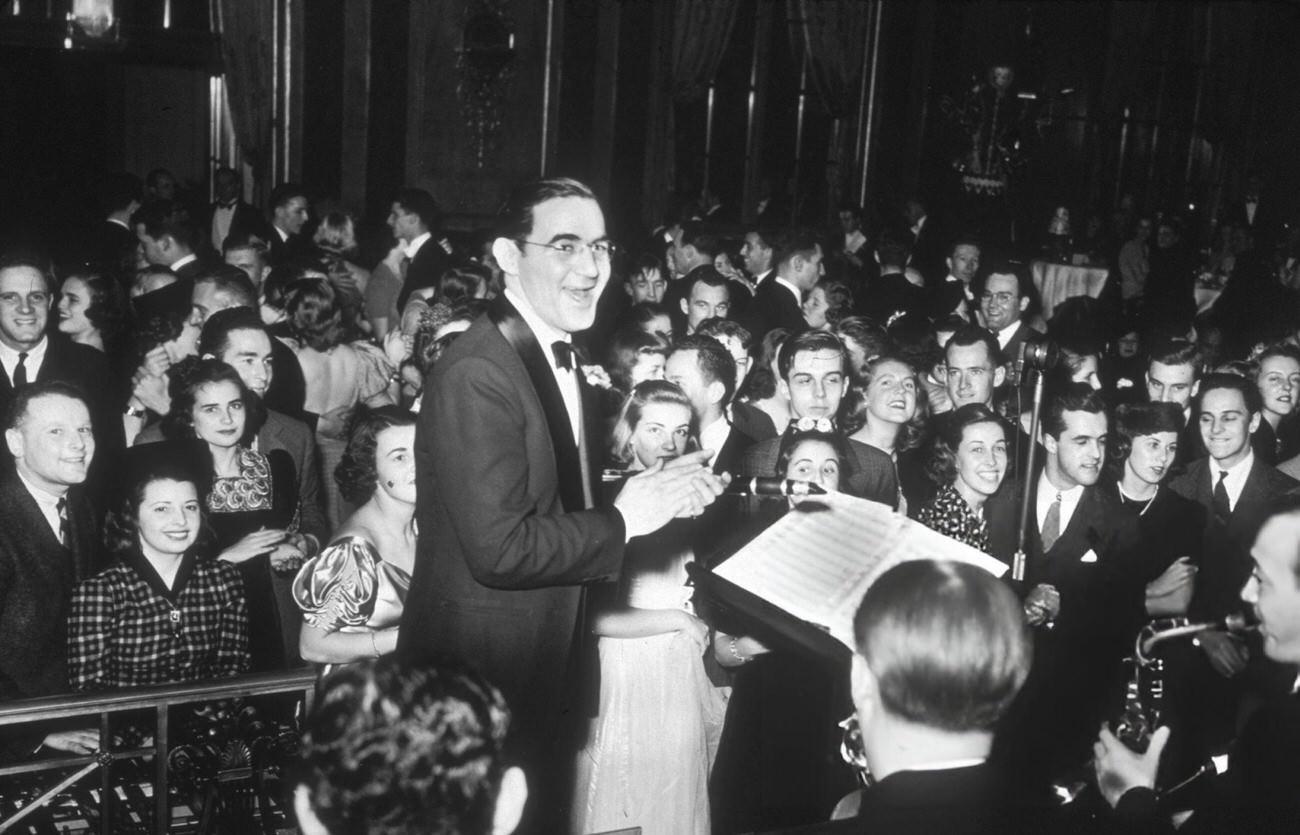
x=184, y=381
x=1132, y=421
x=912, y=432
x=336, y=234
x=356, y=474
x=106, y=308
x=465, y=281
x=626, y=347
x=839, y=301
x=315, y=314
x=650, y=391
x=942, y=466
x=399, y=747
x=122, y=523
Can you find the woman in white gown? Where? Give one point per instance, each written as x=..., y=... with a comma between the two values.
x=646, y=759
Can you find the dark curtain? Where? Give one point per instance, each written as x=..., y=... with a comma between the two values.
x=834, y=34
x=247, y=28
x=701, y=30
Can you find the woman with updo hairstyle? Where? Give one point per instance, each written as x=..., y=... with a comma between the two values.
x=646, y=758
x=92, y=311
x=1140, y=455
x=339, y=374
x=351, y=594
x=969, y=465
x=251, y=497
x=759, y=388
x=336, y=245
x=829, y=302
x=165, y=611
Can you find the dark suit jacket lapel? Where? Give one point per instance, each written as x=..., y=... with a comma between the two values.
x=536, y=363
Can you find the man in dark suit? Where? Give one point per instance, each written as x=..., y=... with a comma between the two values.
x=814, y=378
x=229, y=217
x=289, y=214
x=28, y=355
x=757, y=253
x=701, y=367
x=167, y=237
x=113, y=243
x=941, y=651
x=1236, y=489
x=416, y=222
x=892, y=294
x=1174, y=376
x=777, y=302
x=507, y=464
x=953, y=295
x=1079, y=557
x=1258, y=792
x=1005, y=294
x=746, y=418
x=48, y=543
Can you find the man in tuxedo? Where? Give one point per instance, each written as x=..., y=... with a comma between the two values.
x=229, y=217
x=29, y=355
x=953, y=295
x=1079, y=568
x=1258, y=791
x=48, y=543
x=248, y=254
x=507, y=466
x=778, y=301
x=1236, y=489
x=1173, y=376
x=747, y=418
x=815, y=379
x=416, y=221
x=289, y=213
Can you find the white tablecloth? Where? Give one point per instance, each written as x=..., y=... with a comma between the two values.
x=1058, y=282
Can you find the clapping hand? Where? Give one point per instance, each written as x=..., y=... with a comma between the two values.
x=681, y=488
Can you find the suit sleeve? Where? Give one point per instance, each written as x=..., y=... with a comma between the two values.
x=313, y=516
x=478, y=438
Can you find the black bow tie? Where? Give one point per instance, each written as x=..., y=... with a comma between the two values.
x=229, y=205
x=565, y=355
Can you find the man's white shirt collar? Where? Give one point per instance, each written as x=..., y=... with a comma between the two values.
x=1235, y=481
x=1004, y=335
x=182, y=261
x=798, y=296
x=714, y=436
x=1047, y=494
x=35, y=357
x=567, y=381
x=415, y=244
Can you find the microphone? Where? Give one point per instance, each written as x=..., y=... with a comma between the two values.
x=772, y=486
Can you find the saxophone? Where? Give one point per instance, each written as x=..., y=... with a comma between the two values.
x=1144, y=694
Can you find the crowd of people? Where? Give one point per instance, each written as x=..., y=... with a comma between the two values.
x=234, y=448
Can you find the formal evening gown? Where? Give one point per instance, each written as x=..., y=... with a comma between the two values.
x=647, y=755
x=348, y=587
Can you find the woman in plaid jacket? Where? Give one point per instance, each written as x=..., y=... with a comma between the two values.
x=165, y=611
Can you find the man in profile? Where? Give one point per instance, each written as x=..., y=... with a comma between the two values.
x=431, y=740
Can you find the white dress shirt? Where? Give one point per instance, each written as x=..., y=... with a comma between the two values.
x=35, y=358
x=714, y=436
x=1069, y=502
x=1004, y=335
x=1235, y=481
x=47, y=502
x=182, y=261
x=566, y=380
x=414, y=246
x=798, y=296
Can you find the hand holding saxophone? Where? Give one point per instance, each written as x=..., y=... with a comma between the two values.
x=1120, y=768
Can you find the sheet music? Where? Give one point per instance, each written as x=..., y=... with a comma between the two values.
x=818, y=560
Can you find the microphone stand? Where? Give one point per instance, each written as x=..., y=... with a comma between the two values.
x=1018, y=561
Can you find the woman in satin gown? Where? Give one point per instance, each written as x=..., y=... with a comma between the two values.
x=645, y=762
x=352, y=593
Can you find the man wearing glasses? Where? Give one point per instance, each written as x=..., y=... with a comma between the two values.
x=508, y=463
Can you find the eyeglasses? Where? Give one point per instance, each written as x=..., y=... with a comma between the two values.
x=1000, y=298
x=601, y=251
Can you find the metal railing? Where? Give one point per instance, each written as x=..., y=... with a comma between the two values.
x=105, y=704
